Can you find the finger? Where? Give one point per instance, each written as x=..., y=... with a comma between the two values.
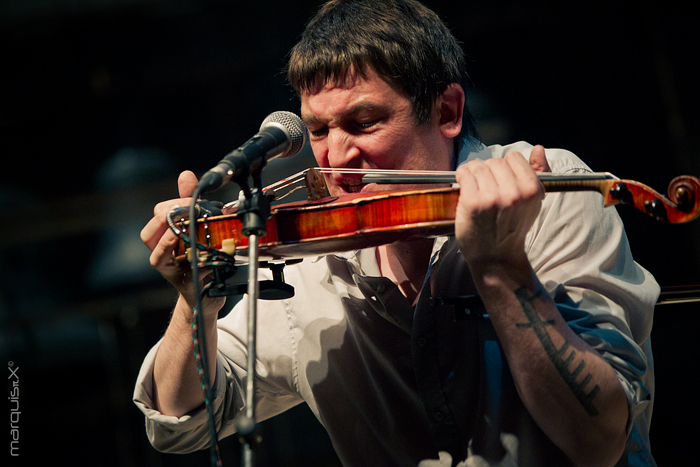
x=162, y=254
x=467, y=183
x=153, y=231
x=538, y=160
x=530, y=188
x=164, y=207
x=186, y=183
x=505, y=170
x=463, y=176
x=482, y=176
x=523, y=171
x=509, y=186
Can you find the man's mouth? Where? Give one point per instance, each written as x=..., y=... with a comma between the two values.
x=349, y=184
x=352, y=187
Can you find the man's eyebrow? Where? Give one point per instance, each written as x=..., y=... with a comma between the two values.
x=365, y=106
x=309, y=119
x=355, y=109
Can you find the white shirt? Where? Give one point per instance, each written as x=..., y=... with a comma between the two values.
x=394, y=386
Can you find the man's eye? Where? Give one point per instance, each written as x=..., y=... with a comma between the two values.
x=318, y=133
x=366, y=125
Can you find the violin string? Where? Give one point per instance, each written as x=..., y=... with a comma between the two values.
x=285, y=182
x=386, y=171
x=590, y=175
x=299, y=176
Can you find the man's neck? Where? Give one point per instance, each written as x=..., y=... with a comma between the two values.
x=406, y=263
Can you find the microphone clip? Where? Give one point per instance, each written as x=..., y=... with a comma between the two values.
x=254, y=211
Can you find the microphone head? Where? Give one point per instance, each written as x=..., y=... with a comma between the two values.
x=292, y=126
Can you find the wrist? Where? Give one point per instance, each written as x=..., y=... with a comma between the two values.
x=211, y=306
x=510, y=272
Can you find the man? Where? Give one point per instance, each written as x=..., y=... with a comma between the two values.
x=550, y=367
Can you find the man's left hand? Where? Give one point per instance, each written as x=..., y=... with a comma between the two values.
x=498, y=203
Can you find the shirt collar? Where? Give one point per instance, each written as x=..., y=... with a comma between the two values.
x=472, y=149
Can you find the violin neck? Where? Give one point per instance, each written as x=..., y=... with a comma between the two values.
x=597, y=181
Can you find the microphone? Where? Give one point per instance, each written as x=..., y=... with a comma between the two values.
x=282, y=134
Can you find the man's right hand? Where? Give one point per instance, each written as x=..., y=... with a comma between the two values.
x=162, y=242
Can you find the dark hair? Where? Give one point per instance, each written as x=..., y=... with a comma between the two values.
x=405, y=42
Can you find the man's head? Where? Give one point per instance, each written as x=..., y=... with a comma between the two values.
x=403, y=41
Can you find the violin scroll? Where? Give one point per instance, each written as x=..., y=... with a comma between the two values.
x=684, y=191
x=681, y=205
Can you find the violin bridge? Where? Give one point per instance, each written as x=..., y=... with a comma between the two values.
x=315, y=185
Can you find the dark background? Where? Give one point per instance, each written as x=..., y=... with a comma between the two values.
x=104, y=102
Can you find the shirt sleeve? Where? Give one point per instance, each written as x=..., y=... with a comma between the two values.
x=272, y=393
x=189, y=432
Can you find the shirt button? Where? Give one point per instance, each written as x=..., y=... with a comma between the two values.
x=439, y=416
x=380, y=288
x=421, y=342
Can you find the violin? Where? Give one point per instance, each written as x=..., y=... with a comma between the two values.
x=324, y=224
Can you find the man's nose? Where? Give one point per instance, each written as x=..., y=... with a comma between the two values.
x=342, y=151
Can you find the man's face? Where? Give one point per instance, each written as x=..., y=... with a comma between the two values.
x=364, y=123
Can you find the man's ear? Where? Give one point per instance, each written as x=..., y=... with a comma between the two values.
x=451, y=106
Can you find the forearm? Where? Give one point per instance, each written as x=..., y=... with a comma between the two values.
x=176, y=381
x=568, y=388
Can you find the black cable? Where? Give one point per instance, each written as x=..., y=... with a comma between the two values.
x=199, y=334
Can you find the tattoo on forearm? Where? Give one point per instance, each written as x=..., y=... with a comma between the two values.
x=557, y=355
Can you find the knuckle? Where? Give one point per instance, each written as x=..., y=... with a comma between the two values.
x=474, y=165
x=462, y=173
x=158, y=209
x=494, y=162
x=510, y=199
x=144, y=235
x=532, y=190
x=514, y=155
x=154, y=260
x=490, y=201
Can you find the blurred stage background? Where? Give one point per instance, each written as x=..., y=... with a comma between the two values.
x=104, y=102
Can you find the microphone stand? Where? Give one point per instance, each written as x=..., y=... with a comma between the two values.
x=254, y=211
